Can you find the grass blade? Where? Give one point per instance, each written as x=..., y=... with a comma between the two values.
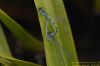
x=20, y=33
x=61, y=51
x=4, y=49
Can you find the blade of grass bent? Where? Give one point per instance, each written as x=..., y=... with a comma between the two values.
x=61, y=51
x=20, y=33
x=15, y=62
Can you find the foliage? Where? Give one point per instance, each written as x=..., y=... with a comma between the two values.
x=61, y=50
x=59, y=46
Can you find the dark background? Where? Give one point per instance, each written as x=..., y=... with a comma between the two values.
x=84, y=21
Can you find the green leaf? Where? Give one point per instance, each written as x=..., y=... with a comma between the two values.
x=15, y=62
x=4, y=49
x=60, y=51
x=20, y=33
x=6, y=58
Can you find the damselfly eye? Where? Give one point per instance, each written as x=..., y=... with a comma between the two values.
x=43, y=12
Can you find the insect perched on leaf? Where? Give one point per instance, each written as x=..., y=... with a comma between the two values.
x=50, y=35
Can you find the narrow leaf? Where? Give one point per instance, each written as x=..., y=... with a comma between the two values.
x=60, y=49
x=4, y=49
x=20, y=33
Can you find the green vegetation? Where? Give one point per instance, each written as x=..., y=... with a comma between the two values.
x=60, y=51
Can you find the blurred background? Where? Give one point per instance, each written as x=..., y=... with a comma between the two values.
x=84, y=17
